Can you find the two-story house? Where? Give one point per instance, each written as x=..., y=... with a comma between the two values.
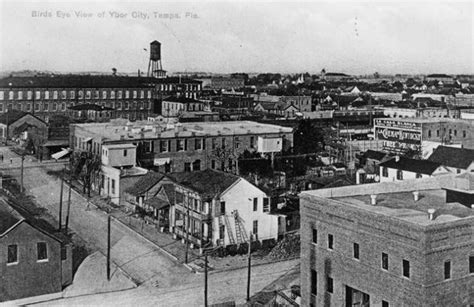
x=213, y=208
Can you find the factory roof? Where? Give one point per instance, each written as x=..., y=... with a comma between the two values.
x=396, y=199
x=116, y=131
x=423, y=120
x=88, y=81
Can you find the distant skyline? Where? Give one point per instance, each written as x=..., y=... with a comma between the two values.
x=236, y=36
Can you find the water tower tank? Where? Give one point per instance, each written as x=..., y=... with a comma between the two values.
x=155, y=51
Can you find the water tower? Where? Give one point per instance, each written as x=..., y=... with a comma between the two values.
x=154, y=65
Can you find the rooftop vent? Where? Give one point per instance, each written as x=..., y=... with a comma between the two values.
x=416, y=195
x=397, y=158
x=373, y=199
x=431, y=214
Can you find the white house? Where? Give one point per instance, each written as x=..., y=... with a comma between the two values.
x=401, y=168
x=221, y=209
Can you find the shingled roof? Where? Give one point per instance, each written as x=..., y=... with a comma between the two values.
x=208, y=183
x=145, y=183
x=412, y=165
x=374, y=155
x=453, y=157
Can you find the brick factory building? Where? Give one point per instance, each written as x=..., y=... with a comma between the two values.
x=407, y=243
x=133, y=98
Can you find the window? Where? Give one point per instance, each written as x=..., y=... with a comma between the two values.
x=464, y=133
x=266, y=204
x=12, y=257
x=223, y=142
x=179, y=145
x=10, y=95
x=127, y=94
x=42, y=251
x=1, y=107
x=315, y=236
x=471, y=264
x=164, y=146
x=37, y=106
x=429, y=133
x=29, y=95
x=142, y=94
x=255, y=228
x=252, y=139
x=80, y=94
x=20, y=95
x=214, y=143
x=329, y=285
x=447, y=269
x=330, y=241
x=55, y=95
x=104, y=94
x=2, y=97
x=356, y=251
x=197, y=144
x=385, y=304
x=406, y=268
x=113, y=186
x=384, y=171
x=124, y=152
x=149, y=94
x=197, y=165
x=88, y=94
x=222, y=207
x=418, y=175
x=71, y=94
x=134, y=94
x=255, y=204
x=314, y=282
x=455, y=132
x=63, y=252
x=399, y=174
x=384, y=261
x=213, y=164
x=437, y=133
x=187, y=166
x=119, y=106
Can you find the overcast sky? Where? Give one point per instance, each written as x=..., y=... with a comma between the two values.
x=351, y=37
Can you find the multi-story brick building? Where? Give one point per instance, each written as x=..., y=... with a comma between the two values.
x=133, y=98
x=408, y=243
x=184, y=146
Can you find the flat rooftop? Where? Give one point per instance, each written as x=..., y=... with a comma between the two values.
x=403, y=206
x=423, y=120
x=396, y=199
x=114, y=131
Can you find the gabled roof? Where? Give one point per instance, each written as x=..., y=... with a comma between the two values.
x=207, y=183
x=145, y=183
x=374, y=155
x=412, y=165
x=11, y=116
x=453, y=157
x=8, y=218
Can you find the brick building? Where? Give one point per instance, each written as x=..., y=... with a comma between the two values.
x=408, y=243
x=183, y=146
x=33, y=259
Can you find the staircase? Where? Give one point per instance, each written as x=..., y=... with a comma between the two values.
x=240, y=232
x=229, y=230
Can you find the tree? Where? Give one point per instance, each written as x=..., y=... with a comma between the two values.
x=87, y=167
x=307, y=138
x=223, y=155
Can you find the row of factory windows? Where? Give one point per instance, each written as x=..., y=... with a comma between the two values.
x=450, y=134
x=96, y=94
x=199, y=144
x=54, y=106
x=384, y=259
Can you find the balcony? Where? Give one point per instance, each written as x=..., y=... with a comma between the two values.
x=196, y=215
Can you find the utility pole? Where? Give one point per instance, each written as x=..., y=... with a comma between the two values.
x=21, y=173
x=205, y=280
x=249, y=265
x=68, y=204
x=187, y=228
x=108, y=248
x=61, y=202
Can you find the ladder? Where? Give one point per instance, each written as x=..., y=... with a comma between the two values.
x=240, y=232
x=229, y=230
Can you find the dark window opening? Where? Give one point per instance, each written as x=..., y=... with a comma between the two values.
x=315, y=236
x=42, y=251
x=356, y=251
x=330, y=241
x=384, y=261
x=406, y=268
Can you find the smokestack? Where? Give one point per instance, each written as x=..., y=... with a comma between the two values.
x=431, y=213
x=373, y=199
x=416, y=195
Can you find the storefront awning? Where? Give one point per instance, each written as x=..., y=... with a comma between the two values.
x=61, y=154
x=161, y=161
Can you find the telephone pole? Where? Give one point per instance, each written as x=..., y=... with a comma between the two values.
x=108, y=248
x=68, y=204
x=61, y=202
x=21, y=173
x=249, y=265
x=205, y=280
x=187, y=228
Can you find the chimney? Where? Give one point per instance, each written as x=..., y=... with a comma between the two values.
x=416, y=195
x=397, y=158
x=431, y=213
x=373, y=199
